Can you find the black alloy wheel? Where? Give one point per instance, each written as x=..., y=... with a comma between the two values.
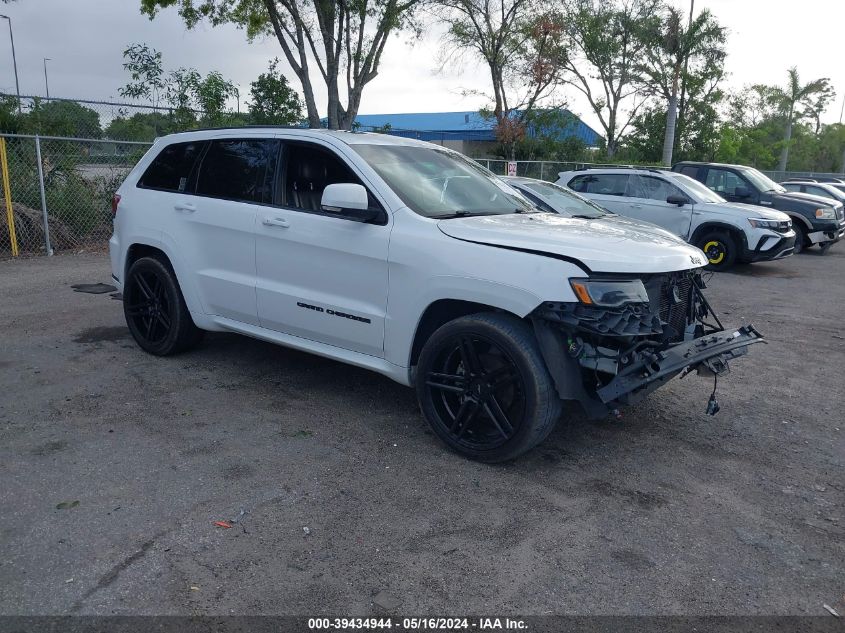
x=484, y=388
x=477, y=391
x=155, y=309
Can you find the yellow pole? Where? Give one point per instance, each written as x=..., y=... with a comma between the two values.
x=7, y=194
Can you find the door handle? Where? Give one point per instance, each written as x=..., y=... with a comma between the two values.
x=636, y=206
x=190, y=207
x=275, y=222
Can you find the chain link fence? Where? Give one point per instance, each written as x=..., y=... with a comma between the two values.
x=60, y=190
x=64, y=158
x=549, y=170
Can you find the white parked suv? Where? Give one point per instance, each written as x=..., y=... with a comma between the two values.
x=413, y=261
x=727, y=232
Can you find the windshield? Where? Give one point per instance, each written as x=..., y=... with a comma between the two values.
x=562, y=200
x=702, y=193
x=438, y=183
x=761, y=181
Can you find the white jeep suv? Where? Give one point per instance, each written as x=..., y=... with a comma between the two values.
x=413, y=261
x=726, y=232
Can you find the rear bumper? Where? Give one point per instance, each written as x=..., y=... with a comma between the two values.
x=712, y=351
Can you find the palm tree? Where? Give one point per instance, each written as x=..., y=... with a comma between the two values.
x=668, y=59
x=788, y=98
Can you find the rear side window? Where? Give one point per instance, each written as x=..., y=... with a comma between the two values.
x=602, y=184
x=239, y=169
x=171, y=169
x=690, y=170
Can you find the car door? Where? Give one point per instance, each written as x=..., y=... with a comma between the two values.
x=233, y=180
x=606, y=190
x=648, y=202
x=321, y=276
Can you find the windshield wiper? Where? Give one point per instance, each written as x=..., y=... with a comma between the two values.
x=584, y=216
x=462, y=214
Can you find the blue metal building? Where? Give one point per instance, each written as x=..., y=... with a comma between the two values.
x=460, y=129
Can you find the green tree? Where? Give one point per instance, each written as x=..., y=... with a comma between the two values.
x=61, y=118
x=606, y=40
x=520, y=44
x=274, y=102
x=678, y=56
x=184, y=90
x=345, y=40
x=793, y=96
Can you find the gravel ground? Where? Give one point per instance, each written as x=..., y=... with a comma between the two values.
x=346, y=494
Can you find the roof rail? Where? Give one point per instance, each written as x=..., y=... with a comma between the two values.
x=655, y=170
x=249, y=126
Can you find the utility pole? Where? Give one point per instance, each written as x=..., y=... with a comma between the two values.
x=46, y=84
x=14, y=61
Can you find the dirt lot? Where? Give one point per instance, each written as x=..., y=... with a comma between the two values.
x=664, y=512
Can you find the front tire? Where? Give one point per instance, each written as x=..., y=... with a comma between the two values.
x=800, y=238
x=720, y=248
x=155, y=309
x=484, y=388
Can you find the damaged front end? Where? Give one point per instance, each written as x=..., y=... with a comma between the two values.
x=628, y=335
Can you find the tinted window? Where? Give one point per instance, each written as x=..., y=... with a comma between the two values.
x=171, y=169
x=723, y=181
x=602, y=184
x=690, y=170
x=239, y=169
x=791, y=187
x=653, y=188
x=308, y=169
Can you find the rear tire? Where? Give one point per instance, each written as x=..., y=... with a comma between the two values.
x=484, y=388
x=800, y=238
x=720, y=248
x=155, y=309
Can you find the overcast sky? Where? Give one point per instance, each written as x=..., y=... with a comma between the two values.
x=84, y=40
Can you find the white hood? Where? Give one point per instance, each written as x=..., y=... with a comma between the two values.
x=602, y=245
x=746, y=210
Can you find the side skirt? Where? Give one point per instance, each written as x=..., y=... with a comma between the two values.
x=357, y=359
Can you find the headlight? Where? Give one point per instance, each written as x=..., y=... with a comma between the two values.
x=760, y=223
x=826, y=213
x=609, y=294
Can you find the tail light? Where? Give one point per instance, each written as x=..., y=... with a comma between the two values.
x=115, y=200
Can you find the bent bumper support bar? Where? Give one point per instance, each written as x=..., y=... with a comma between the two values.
x=712, y=350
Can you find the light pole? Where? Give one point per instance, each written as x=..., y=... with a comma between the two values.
x=46, y=85
x=14, y=61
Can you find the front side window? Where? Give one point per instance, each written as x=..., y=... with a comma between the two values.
x=239, y=169
x=438, y=183
x=653, y=188
x=601, y=184
x=724, y=182
x=309, y=168
x=171, y=169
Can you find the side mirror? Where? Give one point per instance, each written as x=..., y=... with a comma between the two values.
x=742, y=192
x=676, y=199
x=348, y=200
